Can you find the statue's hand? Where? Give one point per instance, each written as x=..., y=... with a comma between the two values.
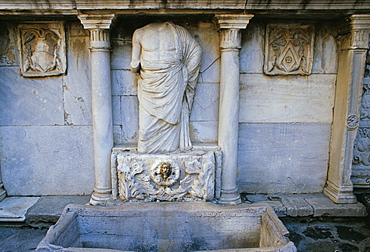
x=135, y=66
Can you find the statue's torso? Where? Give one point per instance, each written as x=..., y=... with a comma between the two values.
x=158, y=43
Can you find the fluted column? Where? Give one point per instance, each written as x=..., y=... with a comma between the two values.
x=228, y=127
x=99, y=26
x=354, y=43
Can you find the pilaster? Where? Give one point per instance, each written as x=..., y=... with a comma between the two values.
x=351, y=65
x=230, y=44
x=99, y=26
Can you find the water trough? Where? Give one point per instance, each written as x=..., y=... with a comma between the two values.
x=170, y=226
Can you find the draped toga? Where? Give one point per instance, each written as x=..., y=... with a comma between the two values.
x=166, y=92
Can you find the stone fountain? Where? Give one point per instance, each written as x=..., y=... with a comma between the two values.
x=164, y=193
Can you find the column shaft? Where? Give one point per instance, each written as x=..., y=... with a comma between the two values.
x=228, y=128
x=101, y=103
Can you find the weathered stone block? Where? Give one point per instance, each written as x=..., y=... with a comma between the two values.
x=130, y=118
x=251, y=53
x=124, y=82
x=76, y=86
x=285, y=158
x=8, y=44
x=297, y=206
x=29, y=101
x=121, y=54
x=205, y=106
x=208, y=38
x=14, y=209
x=47, y=160
x=290, y=99
x=204, y=132
x=323, y=206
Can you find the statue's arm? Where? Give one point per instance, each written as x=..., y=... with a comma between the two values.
x=136, y=49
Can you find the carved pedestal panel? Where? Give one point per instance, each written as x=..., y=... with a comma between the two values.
x=187, y=176
x=289, y=49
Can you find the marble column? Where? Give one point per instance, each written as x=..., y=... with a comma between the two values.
x=99, y=26
x=2, y=190
x=228, y=127
x=353, y=41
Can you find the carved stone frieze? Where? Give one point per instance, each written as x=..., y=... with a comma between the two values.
x=361, y=151
x=166, y=177
x=42, y=49
x=289, y=49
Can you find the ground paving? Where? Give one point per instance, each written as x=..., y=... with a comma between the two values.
x=307, y=231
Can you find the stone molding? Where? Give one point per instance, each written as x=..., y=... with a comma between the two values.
x=233, y=21
x=91, y=22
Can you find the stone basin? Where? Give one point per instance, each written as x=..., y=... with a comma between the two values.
x=168, y=226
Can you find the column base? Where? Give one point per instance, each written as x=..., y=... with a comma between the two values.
x=230, y=197
x=100, y=196
x=2, y=192
x=340, y=195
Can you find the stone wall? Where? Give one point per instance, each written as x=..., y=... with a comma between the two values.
x=285, y=121
x=46, y=143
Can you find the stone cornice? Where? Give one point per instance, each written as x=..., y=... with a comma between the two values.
x=70, y=7
x=233, y=21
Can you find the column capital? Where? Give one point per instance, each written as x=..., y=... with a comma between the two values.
x=99, y=26
x=91, y=22
x=233, y=21
x=360, y=28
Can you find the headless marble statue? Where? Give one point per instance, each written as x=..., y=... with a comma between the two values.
x=168, y=60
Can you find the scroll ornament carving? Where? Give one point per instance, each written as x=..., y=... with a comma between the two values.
x=361, y=151
x=167, y=178
x=289, y=49
x=42, y=49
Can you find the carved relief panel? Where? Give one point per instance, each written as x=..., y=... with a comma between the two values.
x=289, y=49
x=187, y=176
x=42, y=50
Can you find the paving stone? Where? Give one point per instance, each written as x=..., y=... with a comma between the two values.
x=318, y=232
x=14, y=209
x=324, y=246
x=49, y=208
x=20, y=239
x=346, y=247
x=348, y=233
x=297, y=206
x=273, y=201
x=323, y=206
